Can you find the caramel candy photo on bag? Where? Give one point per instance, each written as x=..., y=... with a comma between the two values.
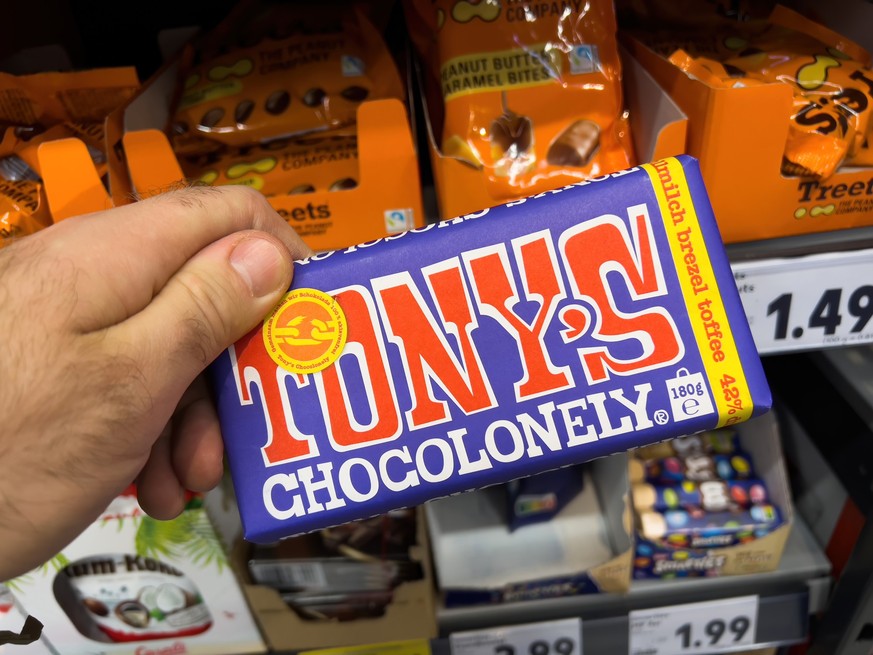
x=576, y=145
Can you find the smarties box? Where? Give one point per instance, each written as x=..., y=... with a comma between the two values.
x=550, y=331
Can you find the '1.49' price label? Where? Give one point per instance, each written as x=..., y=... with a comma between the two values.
x=563, y=637
x=808, y=302
x=696, y=629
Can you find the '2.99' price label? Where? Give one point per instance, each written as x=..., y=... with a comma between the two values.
x=700, y=628
x=563, y=637
x=808, y=302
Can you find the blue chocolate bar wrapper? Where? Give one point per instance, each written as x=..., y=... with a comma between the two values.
x=549, y=331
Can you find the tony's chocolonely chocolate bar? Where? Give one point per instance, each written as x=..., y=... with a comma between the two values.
x=552, y=330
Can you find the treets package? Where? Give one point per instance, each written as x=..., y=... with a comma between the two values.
x=516, y=340
x=529, y=95
x=830, y=78
x=318, y=162
x=284, y=76
x=731, y=114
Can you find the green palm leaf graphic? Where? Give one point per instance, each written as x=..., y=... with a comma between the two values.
x=58, y=562
x=17, y=584
x=204, y=547
x=190, y=535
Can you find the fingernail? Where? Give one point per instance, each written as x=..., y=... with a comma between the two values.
x=260, y=264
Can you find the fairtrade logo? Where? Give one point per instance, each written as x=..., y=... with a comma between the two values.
x=306, y=332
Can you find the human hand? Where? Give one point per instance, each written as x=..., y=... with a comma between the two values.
x=106, y=322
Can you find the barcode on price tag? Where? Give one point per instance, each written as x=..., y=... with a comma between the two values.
x=563, y=637
x=719, y=626
x=808, y=302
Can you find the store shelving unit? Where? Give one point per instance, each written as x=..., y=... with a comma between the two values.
x=788, y=595
x=801, y=586
x=847, y=626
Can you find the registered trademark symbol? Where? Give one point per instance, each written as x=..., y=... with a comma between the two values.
x=661, y=417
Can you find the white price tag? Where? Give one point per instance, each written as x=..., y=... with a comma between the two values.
x=808, y=302
x=718, y=626
x=562, y=637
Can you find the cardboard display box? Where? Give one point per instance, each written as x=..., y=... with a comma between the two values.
x=759, y=438
x=585, y=548
x=739, y=135
x=140, y=163
x=411, y=614
x=386, y=201
x=132, y=585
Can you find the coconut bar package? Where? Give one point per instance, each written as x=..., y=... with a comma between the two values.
x=583, y=321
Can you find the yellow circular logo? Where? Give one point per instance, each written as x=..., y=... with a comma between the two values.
x=306, y=332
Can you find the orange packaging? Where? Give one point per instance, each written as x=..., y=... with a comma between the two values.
x=295, y=79
x=318, y=162
x=532, y=92
x=830, y=78
x=44, y=109
x=23, y=210
x=864, y=155
x=50, y=98
x=739, y=134
x=19, y=149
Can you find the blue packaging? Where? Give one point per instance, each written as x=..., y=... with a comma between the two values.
x=550, y=331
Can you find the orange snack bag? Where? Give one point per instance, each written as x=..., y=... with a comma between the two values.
x=711, y=72
x=297, y=79
x=833, y=92
x=830, y=76
x=47, y=99
x=19, y=150
x=864, y=155
x=23, y=210
x=532, y=92
x=318, y=162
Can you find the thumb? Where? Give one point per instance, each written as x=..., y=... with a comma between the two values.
x=213, y=300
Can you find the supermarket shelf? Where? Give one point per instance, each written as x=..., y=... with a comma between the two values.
x=802, y=578
x=803, y=244
x=782, y=620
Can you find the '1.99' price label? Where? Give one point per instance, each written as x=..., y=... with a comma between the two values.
x=696, y=629
x=808, y=302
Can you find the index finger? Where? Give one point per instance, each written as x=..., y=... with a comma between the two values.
x=124, y=256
